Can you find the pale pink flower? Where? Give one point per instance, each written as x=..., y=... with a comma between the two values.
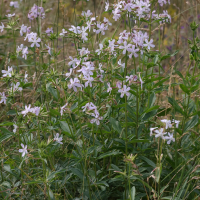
x=124, y=91
x=23, y=150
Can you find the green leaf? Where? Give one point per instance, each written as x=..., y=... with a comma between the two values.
x=6, y=124
x=27, y=85
x=149, y=65
x=54, y=112
x=6, y=131
x=151, y=163
x=160, y=82
x=116, y=125
x=116, y=168
x=74, y=106
x=139, y=140
x=179, y=73
x=65, y=127
x=133, y=193
x=6, y=184
x=184, y=88
x=77, y=172
x=111, y=153
x=149, y=115
x=152, y=99
x=101, y=183
x=52, y=91
x=11, y=112
x=51, y=195
x=34, y=182
x=191, y=123
x=169, y=55
x=158, y=173
x=152, y=108
x=174, y=103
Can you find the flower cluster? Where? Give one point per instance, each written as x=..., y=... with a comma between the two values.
x=32, y=37
x=49, y=31
x=161, y=134
x=15, y=4
x=24, y=29
x=35, y=12
x=15, y=87
x=91, y=107
x=35, y=110
x=161, y=2
x=22, y=49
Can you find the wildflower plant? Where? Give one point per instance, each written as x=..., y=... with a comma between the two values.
x=93, y=103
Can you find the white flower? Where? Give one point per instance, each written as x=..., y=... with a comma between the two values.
x=75, y=83
x=141, y=82
x=101, y=28
x=89, y=80
x=25, y=77
x=69, y=74
x=57, y=138
x=112, y=45
x=84, y=34
x=176, y=122
x=35, y=41
x=121, y=64
x=23, y=29
x=63, y=32
x=35, y=110
x=96, y=119
x=3, y=97
x=167, y=122
x=124, y=91
x=105, y=20
x=24, y=150
x=49, y=49
x=131, y=78
x=149, y=44
x=7, y=73
x=161, y=2
x=74, y=29
x=2, y=27
x=86, y=14
x=170, y=138
x=107, y=6
x=24, y=53
x=133, y=51
x=89, y=106
x=74, y=62
x=109, y=88
x=27, y=109
x=15, y=87
x=98, y=51
x=151, y=130
x=83, y=51
x=126, y=47
x=19, y=48
x=15, y=4
x=10, y=15
x=15, y=128
x=63, y=109
x=118, y=84
x=32, y=37
x=160, y=133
